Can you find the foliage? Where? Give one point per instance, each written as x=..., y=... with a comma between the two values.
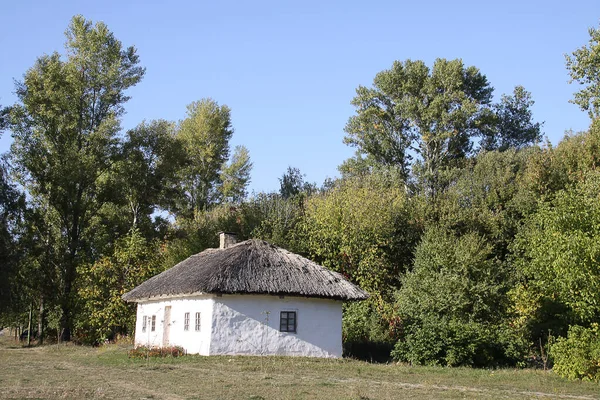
x=64, y=131
x=584, y=67
x=292, y=184
x=452, y=303
x=193, y=236
x=366, y=332
x=204, y=136
x=557, y=252
x=145, y=169
x=513, y=125
x=235, y=177
x=578, y=355
x=102, y=283
x=363, y=229
x=276, y=219
x=11, y=211
x=411, y=108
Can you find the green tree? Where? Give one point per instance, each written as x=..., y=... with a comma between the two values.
x=146, y=169
x=42, y=250
x=412, y=108
x=12, y=205
x=235, y=176
x=291, y=182
x=364, y=229
x=584, y=68
x=276, y=219
x=64, y=129
x=4, y=114
x=513, y=125
x=488, y=197
x=557, y=255
x=102, y=283
x=204, y=135
x=453, y=302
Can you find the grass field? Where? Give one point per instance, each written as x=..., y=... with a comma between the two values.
x=69, y=371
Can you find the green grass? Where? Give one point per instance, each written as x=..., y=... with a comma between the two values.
x=69, y=371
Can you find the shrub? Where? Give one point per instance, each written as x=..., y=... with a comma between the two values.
x=145, y=351
x=578, y=355
x=453, y=305
x=457, y=343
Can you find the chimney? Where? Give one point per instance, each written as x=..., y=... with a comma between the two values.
x=227, y=239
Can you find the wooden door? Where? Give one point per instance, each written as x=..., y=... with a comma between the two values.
x=166, y=326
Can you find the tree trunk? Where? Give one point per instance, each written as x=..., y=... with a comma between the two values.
x=29, y=325
x=40, y=339
x=70, y=273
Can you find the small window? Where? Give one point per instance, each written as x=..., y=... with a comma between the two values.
x=197, y=322
x=153, y=326
x=287, y=321
x=144, y=323
x=186, y=321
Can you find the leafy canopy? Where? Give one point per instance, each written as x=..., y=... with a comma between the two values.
x=584, y=68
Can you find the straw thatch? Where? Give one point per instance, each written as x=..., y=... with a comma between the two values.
x=253, y=266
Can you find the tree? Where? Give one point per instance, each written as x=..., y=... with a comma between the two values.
x=204, y=135
x=513, y=125
x=584, y=68
x=4, y=113
x=363, y=228
x=103, y=282
x=431, y=112
x=64, y=131
x=453, y=302
x=292, y=184
x=275, y=219
x=235, y=176
x=146, y=169
x=557, y=254
x=12, y=204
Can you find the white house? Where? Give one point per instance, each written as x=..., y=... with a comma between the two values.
x=245, y=298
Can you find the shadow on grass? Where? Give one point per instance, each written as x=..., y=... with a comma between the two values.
x=373, y=352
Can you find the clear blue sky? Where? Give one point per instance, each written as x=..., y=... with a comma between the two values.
x=288, y=70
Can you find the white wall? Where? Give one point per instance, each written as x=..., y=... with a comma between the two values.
x=193, y=342
x=249, y=324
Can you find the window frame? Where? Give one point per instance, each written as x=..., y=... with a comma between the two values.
x=186, y=321
x=198, y=322
x=284, y=321
x=153, y=324
x=144, y=323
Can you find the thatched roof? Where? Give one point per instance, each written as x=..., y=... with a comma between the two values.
x=254, y=267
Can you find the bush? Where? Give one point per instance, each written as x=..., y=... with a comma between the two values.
x=145, y=351
x=457, y=343
x=578, y=355
x=453, y=305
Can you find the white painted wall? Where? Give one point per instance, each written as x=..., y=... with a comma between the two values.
x=245, y=324
x=249, y=324
x=194, y=342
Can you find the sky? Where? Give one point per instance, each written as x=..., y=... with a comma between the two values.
x=288, y=70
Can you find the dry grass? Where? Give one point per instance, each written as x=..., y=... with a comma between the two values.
x=70, y=371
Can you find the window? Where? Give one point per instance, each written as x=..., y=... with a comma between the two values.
x=197, y=322
x=144, y=323
x=186, y=321
x=287, y=321
x=153, y=326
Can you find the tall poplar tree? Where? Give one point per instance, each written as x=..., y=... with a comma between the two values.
x=64, y=128
x=414, y=110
